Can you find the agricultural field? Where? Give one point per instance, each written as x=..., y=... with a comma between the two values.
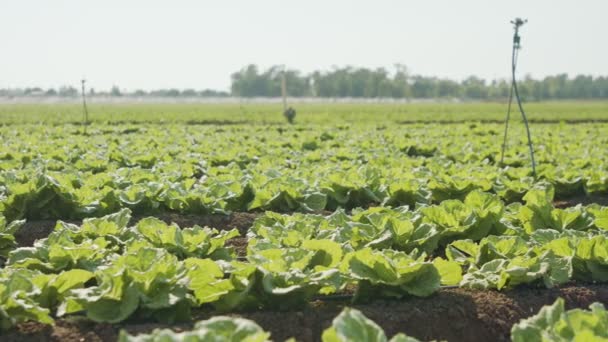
x=358, y=222
x=339, y=112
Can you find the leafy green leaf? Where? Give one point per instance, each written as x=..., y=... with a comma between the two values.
x=553, y=323
x=219, y=329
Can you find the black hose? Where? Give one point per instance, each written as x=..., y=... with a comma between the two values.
x=515, y=90
x=504, y=141
x=523, y=115
x=84, y=108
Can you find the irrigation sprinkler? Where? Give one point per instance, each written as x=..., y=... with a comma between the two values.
x=517, y=23
x=288, y=112
x=84, y=106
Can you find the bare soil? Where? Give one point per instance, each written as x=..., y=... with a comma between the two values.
x=583, y=199
x=239, y=244
x=451, y=314
x=240, y=221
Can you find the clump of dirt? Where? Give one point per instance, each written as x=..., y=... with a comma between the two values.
x=583, y=199
x=239, y=244
x=500, y=310
x=32, y=231
x=240, y=221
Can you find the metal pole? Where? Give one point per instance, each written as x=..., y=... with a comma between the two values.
x=523, y=115
x=288, y=112
x=514, y=90
x=504, y=141
x=84, y=107
x=284, y=90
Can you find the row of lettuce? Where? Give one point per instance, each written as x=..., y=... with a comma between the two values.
x=551, y=323
x=111, y=271
x=53, y=195
x=209, y=169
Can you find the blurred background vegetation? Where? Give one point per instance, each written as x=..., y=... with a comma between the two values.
x=358, y=82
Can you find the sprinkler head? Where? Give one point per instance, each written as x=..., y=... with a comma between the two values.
x=517, y=22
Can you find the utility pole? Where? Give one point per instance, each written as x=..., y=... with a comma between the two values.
x=517, y=23
x=288, y=112
x=84, y=106
x=284, y=90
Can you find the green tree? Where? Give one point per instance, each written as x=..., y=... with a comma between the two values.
x=115, y=91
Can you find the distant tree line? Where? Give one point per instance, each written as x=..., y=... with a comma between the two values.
x=380, y=83
x=354, y=82
x=115, y=91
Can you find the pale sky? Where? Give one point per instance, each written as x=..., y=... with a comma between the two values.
x=148, y=44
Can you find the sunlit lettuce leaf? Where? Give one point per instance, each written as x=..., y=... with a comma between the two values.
x=113, y=300
x=206, y=280
x=62, y=250
x=449, y=271
x=190, y=242
x=291, y=276
x=17, y=300
x=218, y=329
x=600, y=216
x=407, y=192
x=574, y=218
x=7, y=235
x=41, y=197
x=285, y=230
x=352, y=325
x=547, y=269
x=389, y=273
x=593, y=254
x=148, y=278
x=56, y=287
x=113, y=224
x=554, y=323
x=455, y=187
x=536, y=214
x=475, y=218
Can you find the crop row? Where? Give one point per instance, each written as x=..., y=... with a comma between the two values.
x=254, y=112
x=551, y=323
x=217, y=170
x=111, y=272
